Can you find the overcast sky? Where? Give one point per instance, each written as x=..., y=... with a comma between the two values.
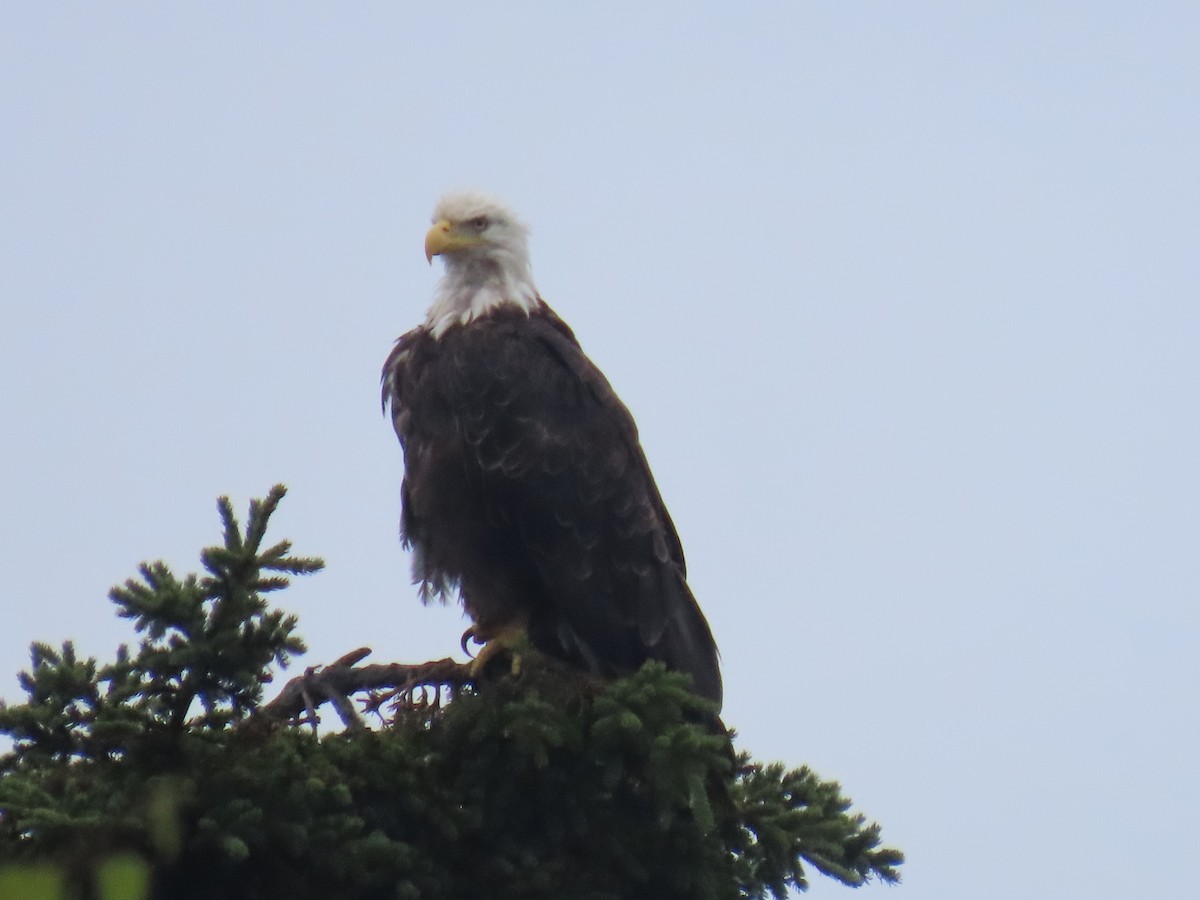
x=902, y=295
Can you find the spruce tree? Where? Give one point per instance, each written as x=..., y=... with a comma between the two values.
x=163, y=774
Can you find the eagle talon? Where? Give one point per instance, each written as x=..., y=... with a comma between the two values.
x=509, y=640
x=467, y=637
x=487, y=654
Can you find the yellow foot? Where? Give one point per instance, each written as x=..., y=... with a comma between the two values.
x=511, y=639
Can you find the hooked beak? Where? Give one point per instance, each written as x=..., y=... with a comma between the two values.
x=444, y=237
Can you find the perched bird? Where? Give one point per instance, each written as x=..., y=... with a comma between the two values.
x=525, y=487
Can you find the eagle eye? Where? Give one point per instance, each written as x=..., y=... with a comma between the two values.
x=479, y=223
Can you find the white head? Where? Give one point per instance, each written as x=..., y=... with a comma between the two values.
x=486, y=252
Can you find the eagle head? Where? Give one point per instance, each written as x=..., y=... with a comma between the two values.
x=485, y=249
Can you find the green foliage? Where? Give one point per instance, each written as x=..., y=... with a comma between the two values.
x=544, y=785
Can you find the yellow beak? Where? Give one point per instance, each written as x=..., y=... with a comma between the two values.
x=444, y=237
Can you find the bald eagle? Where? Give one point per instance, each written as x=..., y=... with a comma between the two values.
x=525, y=487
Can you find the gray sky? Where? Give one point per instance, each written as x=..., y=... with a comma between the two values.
x=903, y=297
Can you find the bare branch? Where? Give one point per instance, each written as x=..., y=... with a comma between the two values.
x=335, y=683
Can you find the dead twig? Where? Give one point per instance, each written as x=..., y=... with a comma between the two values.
x=408, y=684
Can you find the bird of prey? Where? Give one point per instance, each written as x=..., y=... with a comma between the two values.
x=526, y=490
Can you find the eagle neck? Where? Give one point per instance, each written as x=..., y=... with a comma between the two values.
x=473, y=287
